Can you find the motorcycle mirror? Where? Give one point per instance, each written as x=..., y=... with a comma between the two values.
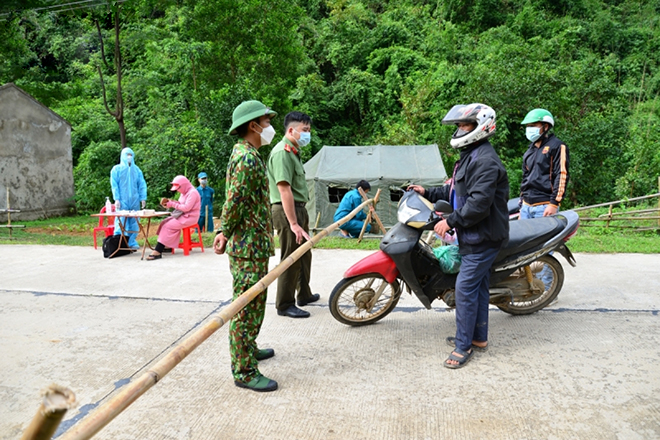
x=443, y=206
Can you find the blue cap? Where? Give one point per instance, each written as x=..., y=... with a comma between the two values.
x=201, y=175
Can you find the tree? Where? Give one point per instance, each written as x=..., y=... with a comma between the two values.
x=118, y=112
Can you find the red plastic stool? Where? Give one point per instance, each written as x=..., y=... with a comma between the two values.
x=187, y=243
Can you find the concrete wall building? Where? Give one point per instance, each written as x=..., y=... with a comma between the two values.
x=35, y=157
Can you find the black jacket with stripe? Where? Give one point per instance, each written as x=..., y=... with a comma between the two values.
x=545, y=172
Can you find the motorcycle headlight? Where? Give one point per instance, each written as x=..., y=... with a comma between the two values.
x=405, y=212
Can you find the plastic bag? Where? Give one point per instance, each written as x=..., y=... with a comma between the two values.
x=449, y=258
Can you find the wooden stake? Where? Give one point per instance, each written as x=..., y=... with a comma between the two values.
x=364, y=226
x=375, y=214
x=105, y=413
x=56, y=401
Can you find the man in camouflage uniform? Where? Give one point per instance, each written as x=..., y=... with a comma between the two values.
x=246, y=235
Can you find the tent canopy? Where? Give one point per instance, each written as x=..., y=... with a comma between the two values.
x=335, y=170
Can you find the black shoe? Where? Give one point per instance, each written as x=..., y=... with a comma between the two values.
x=311, y=299
x=264, y=353
x=260, y=383
x=293, y=312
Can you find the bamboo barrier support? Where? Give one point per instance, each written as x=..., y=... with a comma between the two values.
x=316, y=224
x=105, y=413
x=57, y=400
x=364, y=226
x=368, y=219
x=375, y=214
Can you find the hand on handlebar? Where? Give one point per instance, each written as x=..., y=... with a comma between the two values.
x=417, y=188
x=441, y=228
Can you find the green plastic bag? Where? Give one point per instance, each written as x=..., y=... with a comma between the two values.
x=449, y=258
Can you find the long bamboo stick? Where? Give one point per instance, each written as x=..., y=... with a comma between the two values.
x=57, y=400
x=105, y=413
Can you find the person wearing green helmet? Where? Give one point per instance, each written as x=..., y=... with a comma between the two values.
x=545, y=167
x=246, y=234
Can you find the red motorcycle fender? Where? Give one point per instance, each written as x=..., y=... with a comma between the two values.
x=378, y=262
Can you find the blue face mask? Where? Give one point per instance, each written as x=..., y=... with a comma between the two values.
x=305, y=137
x=129, y=159
x=533, y=133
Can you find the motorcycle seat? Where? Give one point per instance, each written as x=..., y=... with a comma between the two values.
x=528, y=233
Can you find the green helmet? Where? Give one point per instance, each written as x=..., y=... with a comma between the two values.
x=247, y=111
x=539, y=115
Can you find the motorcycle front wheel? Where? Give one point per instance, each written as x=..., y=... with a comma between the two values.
x=550, y=272
x=363, y=299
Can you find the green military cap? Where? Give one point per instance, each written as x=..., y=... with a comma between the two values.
x=247, y=111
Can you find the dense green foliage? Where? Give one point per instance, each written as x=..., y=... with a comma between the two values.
x=367, y=72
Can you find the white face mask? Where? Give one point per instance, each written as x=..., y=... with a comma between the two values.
x=533, y=133
x=267, y=134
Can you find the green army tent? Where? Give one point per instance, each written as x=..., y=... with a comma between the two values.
x=335, y=170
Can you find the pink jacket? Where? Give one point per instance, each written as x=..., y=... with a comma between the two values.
x=189, y=203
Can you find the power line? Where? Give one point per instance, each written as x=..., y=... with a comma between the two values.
x=63, y=7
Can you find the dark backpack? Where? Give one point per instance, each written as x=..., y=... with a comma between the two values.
x=112, y=243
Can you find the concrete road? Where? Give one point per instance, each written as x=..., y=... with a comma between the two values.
x=588, y=367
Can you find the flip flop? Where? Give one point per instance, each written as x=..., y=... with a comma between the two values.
x=467, y=355
x=154, y=257
x=451, y=341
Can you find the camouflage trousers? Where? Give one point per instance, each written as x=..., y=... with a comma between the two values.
x=244, y=327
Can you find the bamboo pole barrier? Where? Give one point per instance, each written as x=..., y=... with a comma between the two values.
x=633, y=212
x=613, y=219
x=105, y=413
x=375, y=214
x=57, y=400
x=600, y=205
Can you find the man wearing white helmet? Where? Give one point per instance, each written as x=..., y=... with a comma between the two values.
x=545, y=167
x=479, y=192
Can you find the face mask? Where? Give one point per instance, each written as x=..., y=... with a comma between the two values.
x=202, y=181
x=305, y=137
x=267, y=134
x=533, y=133
x=129, y=159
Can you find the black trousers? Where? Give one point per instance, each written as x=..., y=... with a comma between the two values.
x=296, y=277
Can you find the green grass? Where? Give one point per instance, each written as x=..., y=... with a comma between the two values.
x=77, y=231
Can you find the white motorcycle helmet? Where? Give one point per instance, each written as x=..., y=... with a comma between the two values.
x=476, y=113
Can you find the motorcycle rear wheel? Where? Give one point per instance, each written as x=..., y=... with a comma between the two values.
x=552, y=290
x=351, y=297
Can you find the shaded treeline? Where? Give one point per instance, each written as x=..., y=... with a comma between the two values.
x=368, y=72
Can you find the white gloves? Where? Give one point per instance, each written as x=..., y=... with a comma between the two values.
x=143, y=203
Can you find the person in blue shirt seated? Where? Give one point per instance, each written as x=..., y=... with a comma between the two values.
x=349, y=202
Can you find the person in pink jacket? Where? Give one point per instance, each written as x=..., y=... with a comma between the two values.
x=186, y=213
